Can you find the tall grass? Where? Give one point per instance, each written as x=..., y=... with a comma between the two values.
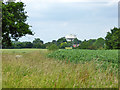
x=35, y=70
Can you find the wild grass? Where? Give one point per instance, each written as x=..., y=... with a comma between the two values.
x=35, y=70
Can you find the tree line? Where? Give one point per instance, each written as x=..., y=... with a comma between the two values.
x=62, y=43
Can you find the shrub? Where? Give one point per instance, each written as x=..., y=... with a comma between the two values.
x=53, y=47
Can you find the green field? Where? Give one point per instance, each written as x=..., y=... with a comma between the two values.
x=77, y=55
x=106, y=57
x=21, y=50
x=38, y=68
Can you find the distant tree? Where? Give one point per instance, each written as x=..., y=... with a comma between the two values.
x=14, y=44
x=43, y=46
x=37, y=43
x=76, y=41
x=99, y=43
x=37, y=40
x=28, y=44
x=63, y=45
x=14, y=23
x=91, y=41
x=69, y=44
x=112, y=39
x=84, y=45
x=90, y=44
x=60, y=40
x=48, y=44
x=54, y=41
x=18, y=45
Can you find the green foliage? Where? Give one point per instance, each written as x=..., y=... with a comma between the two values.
x=63, y=45
x=112, y=39
x=61, y=40
x=84, y=45
x=37, y=40
x=99, y=43
x=101, y=56
x=53, y=47
x=48, y=44
x=14, y=23
x=37, y=43
x=92, y=44
x=54, y=41
x=76, y=41
x=21, y=45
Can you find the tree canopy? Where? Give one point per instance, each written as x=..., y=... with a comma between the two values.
x=99, y=43
x=37, y=43
x=14, y=23
x=76, y=41
x=112, y=39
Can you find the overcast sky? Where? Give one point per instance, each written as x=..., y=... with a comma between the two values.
x=88, y=19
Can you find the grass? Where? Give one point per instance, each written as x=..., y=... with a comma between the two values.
x=21, y=50
x=35, y=70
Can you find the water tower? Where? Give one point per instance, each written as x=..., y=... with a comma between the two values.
x=70, y=37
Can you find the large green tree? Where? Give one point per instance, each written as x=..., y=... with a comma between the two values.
x=84, y=45
x=90, y=43
x=14, y=23
x=112, y=39
x=61, y=40
x=99, y=43
x=37, y=43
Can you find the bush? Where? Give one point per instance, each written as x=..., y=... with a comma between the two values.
x=53, y=47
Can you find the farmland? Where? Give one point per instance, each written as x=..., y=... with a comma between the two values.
x=106, y=57
x=38, y=68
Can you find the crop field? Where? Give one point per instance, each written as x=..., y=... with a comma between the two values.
x=106, y=57
x=38, y=68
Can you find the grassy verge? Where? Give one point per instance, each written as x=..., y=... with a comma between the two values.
x=35, y=70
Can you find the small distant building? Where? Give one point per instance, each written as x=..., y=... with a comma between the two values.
x=70, y=37
x=76, y=45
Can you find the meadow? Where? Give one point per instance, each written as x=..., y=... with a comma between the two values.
x=38, y=68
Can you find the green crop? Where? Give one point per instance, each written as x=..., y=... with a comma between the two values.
x=102, y=58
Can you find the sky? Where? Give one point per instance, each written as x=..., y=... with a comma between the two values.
x=87, y=19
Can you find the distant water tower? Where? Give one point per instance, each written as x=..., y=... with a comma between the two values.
x=70, y=37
